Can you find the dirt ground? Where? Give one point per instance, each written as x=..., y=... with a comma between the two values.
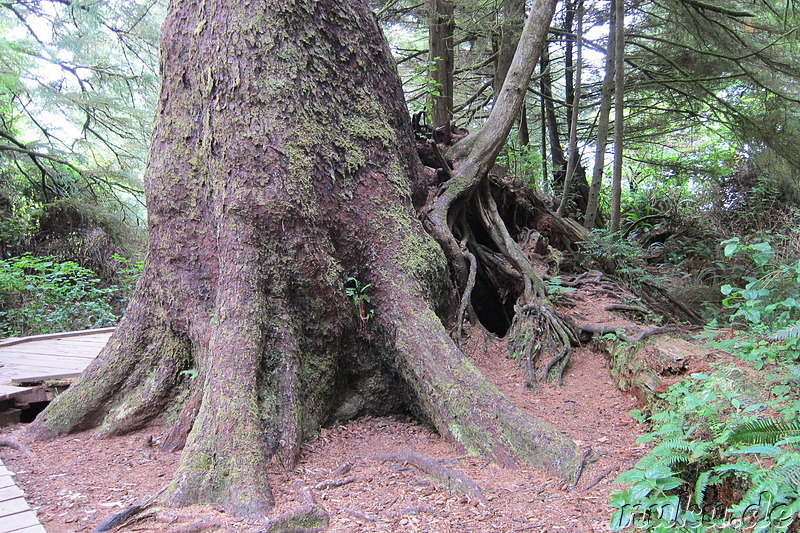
x=75, y=482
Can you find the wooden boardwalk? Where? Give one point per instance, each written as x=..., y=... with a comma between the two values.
x=29, y=365
x=15, y=515
x=31, y=361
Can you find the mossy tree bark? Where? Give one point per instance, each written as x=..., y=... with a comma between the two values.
x=283, y=165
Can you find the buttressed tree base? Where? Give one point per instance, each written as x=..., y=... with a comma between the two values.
x=282, y=165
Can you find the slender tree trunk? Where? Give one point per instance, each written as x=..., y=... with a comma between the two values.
x=283, y=172
x=551, y=119
x=524, y=135
x=569, y=58
x=573, y=160
x=512, y=19
x=619, y=110
x=542, y=117
x=442, y=62
x=604, y=113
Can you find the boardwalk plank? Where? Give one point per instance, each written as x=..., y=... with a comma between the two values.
x=16, y=367
x=18, y=521
x=50, y=336
x=8, y=390
x=31, y=529
x=9, y=493
x=32, y=359
x=25, y=361
x=51, y=350
x=15, y=506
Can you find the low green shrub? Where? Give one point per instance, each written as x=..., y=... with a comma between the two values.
x=44, y=295
x=717, y=464
x=770, y=297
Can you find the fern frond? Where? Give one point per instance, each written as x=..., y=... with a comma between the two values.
x=790, y=332
x=672, y=445
x=788, y=468
x=674, y=459
x=790, y=474
x=766, y=450
x=700, y=488
x=740, y=467
x=794, y=370
x=764, y=431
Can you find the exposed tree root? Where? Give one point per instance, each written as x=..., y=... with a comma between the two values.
x=661, y=301
x=579, y=470
x=473, y=269
x=534, y=325
x=118, y=519
x=310, y=518
x=448, y=478
x=198, y=527
x=11, y=442
x=620, y=333
x=333, y=483
x=360, y=516
x=189, y=524
x=598, y=479
x=625, y=307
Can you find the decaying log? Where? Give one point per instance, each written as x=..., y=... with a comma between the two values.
x=308, y=518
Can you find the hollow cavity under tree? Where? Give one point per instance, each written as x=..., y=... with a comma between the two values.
x=282, y=165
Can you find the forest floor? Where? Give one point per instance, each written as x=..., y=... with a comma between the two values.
x=77, y=481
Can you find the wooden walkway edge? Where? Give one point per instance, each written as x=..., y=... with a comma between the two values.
x=15, y=514
x=29, y=364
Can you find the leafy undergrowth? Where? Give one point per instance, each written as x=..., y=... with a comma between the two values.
x=44, y=295
x=725, y=441
x=725, y=453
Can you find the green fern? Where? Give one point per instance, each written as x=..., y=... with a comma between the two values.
x=764, y=431
x=794, y=370
x=671, y=452
x=700, y=488
x=790, y=474
x=790, y=332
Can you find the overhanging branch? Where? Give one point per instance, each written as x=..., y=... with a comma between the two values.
x=697, y=4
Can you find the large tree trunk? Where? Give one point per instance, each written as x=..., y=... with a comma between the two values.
x=283, y=172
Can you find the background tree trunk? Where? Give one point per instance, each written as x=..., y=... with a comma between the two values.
x=574, y=112
x=283, y=171
x=606, y=93
x=442, y=63
x=619, y=110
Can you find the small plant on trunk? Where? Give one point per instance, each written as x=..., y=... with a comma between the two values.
x=359, y=298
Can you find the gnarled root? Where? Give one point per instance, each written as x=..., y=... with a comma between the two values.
x=537, y=328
